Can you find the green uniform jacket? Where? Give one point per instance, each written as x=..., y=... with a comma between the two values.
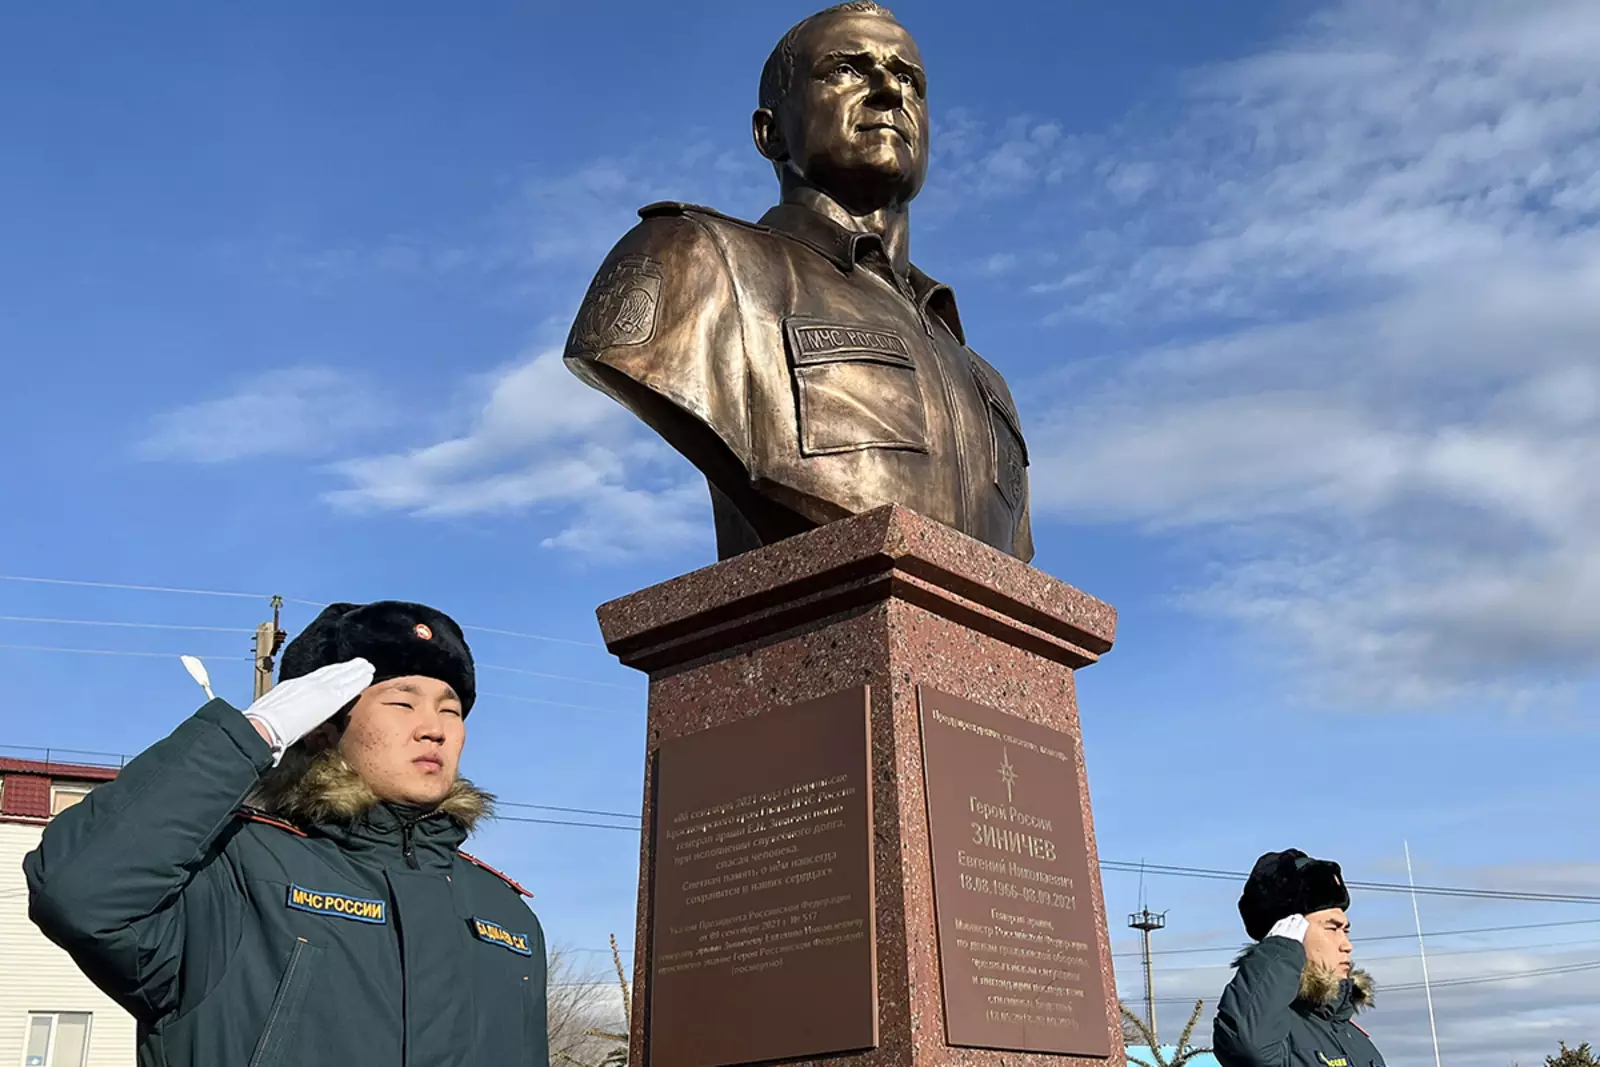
x=240, y=940
x=1275, y=1015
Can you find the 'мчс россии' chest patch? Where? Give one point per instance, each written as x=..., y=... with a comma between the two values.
x=856, y=387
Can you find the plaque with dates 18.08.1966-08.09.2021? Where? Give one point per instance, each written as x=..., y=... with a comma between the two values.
x=1016, y=927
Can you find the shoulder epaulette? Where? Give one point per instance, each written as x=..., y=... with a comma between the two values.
x=503, y=876
x=667, y=208
x=257, y=815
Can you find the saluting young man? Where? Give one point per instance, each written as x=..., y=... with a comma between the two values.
x=285, y=885
x=1293, y=1001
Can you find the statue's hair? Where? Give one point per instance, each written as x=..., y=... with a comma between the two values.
x=777, y=75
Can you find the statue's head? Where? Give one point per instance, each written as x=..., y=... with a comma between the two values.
x=844, y=105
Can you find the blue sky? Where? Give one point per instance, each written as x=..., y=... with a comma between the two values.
x=1297, y=301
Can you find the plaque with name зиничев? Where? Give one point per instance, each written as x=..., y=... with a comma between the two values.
x=1018, y=954
x=762, y=932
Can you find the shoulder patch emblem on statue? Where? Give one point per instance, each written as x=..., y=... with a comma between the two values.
x=620, y=308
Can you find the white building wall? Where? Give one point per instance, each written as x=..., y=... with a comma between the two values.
x=36, y=976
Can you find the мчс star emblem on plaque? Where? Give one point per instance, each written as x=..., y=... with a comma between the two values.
x=621, y=306
x=1008, y=774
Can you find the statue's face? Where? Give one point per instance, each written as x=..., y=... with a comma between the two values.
x=856, y=119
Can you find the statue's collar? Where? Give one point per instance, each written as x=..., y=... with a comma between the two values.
x=846, y=248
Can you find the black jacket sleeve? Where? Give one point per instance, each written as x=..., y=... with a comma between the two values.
x=1252, y=1024
x=108, y=880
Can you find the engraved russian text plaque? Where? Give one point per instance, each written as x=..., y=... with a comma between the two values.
x=1011, y=885
x=763, y=940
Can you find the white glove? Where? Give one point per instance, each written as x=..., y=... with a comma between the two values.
x=1294, y=928
x=290, y=710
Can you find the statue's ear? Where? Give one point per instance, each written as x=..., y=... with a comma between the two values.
x=769, y=138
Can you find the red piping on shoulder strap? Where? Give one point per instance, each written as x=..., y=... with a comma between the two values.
x=1359, y=1027
x=502, y=875
x=252, y=815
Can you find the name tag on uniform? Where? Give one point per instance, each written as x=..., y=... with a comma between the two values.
x=337, y=904
x=495, y=934
x=819, y=341
x=1340, y=1062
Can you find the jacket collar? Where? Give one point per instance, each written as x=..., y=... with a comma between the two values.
x=1324, y=993
x=396, y=837
x=846, y=248
x=324, y=795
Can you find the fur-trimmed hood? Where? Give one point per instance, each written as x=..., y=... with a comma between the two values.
x=323, y=789
x=1321, y=989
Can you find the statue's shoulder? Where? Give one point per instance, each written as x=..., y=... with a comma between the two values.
x=668, y=209
x=678, y=236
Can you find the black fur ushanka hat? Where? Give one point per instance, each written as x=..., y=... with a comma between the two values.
x=398, y=638
x=1289, y=883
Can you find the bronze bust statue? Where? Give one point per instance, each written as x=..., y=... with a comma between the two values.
x=802, y=363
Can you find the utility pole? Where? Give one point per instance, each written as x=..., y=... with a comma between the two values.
x=1145, y=920
x=269, y=638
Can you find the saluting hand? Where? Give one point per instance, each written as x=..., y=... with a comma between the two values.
x=292, y=709
x=1293, y=927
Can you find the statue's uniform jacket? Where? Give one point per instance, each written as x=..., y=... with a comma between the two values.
x=805, y=378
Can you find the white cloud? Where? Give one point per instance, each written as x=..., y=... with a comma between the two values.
x=574, y=218
x=550, y=227
x=299, y=411
x=1377, y=251
x=539, y=440
x=543, y=441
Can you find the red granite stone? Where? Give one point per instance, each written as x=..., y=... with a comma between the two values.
x=890, y=600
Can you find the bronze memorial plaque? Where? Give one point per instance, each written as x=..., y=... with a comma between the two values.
x=763, y=943
x=1011, y=883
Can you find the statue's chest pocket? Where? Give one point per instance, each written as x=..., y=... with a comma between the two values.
x=856, y=387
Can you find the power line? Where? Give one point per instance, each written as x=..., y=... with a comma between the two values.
x=1375, y=937
x=481, y=666
x=570, y=811
x=534, y=637
x=1482, y=949
x=135, y=588
x=1377, y=887
x=1364, y=960
x=109, y=652
x=1451, y=891
x=554, y=703
x=1448, y=891
x=555, y=677
x=1465, y=980
x=566, y=822
x=1115, y=865
x=1508, y=976
x=318, y=604
x=128, y=625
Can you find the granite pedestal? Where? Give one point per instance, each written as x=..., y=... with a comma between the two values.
x=901, y=805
